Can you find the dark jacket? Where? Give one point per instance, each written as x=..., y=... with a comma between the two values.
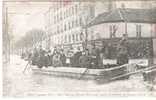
x=122, y=56
x=63, y=59
x=84, y=61
x=41, y=61
x=35, y=58
x=76, y=59
x=95, y=57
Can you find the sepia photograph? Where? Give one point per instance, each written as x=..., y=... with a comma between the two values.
x=78, y=48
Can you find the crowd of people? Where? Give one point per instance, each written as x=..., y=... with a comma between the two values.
x=88, y=58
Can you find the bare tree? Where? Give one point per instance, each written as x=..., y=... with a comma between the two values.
x=31, y=38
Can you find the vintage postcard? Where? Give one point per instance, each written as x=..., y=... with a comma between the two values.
x=79, y=47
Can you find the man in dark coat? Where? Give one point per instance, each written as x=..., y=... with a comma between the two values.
x=41, y=61
x=76, y=57
x=63, y=58
x=122, y=56
x=84, y=60
x=35, y=57
x=95, y=56
x=47, y=58
x=30, y=56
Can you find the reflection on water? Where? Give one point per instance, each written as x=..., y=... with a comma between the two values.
x=15, y=83
x=18, y=84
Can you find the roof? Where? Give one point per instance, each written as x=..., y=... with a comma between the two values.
x=126, y=15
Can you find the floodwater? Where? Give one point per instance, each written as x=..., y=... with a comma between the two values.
x=17, y=84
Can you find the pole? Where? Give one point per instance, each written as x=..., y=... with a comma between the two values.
x=26, y=67
x=83, y=73
x=135, y=72
x=7, y=36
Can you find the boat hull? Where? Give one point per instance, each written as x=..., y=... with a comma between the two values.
x=81, y=73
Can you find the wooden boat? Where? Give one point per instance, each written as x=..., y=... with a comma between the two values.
x=107, y=74
x=82, y=73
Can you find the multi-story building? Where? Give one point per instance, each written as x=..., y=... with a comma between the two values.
x=66, y=20
x=135, y=4
x=138, y=24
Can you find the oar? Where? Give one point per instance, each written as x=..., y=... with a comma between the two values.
x=26, y=67
x=83, y=73
x=139, y=71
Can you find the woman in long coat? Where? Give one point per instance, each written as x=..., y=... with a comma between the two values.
x=57, y=60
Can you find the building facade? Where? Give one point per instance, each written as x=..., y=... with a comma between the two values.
x=135, y=4
x=140, y=28
x=66, y=21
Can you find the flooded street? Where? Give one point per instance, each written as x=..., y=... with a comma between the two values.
x=15, y=83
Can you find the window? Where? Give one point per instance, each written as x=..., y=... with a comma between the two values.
x=76, y=9
x=61, y=15
x=68, y=25
x=65, y=38
x=57, y=18
x=62, y=39
x=154, y=31
x=61, y=30
x=72, y=10
x=81, y=36
x=113, y=30
x=54, y=19
x=80, y=21
x=72, y=23
x=76, y=22
x=138, y=30
x=73, y=37
x=64, y=27
x=69, y=11
x=69, y=38
x=65, y=14
x=76, y=37
x=57, y=29
x=92, y=11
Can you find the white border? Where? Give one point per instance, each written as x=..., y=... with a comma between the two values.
x=64, y=97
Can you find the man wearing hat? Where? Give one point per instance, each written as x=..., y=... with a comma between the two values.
x=122, y=55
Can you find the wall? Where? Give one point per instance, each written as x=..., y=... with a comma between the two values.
x=145, y=30
x=129, y=4
x=103, y=31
